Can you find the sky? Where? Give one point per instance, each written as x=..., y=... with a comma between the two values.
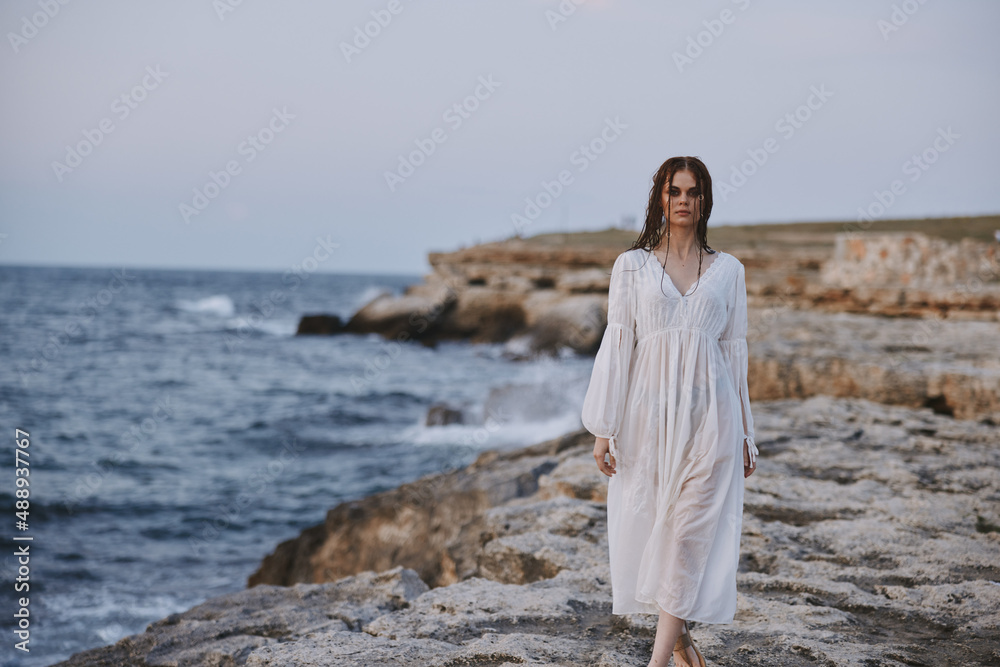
x=250, y=135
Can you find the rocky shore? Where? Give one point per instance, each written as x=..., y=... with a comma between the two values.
x=547, y=293
x=870, y=537
x=872, y=526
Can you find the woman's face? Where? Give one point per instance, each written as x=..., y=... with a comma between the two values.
x=681, y=201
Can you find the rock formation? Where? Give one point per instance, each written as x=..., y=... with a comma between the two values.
x=949, y=365
x=543, y=298
x=544, y=295
x=870, y=536
x=911, y=259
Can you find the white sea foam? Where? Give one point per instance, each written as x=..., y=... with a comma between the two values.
x=217, y=304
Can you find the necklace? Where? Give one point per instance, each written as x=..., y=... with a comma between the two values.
x=663, y=265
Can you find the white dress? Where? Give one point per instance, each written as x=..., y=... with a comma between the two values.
x=669, y=389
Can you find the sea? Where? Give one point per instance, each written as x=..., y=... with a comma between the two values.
x=164, y=430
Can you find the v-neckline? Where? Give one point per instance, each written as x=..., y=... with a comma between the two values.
x=671, y=280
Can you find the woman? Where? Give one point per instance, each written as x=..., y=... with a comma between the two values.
x=669, y=405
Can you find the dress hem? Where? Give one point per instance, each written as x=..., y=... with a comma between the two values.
x=710, y=620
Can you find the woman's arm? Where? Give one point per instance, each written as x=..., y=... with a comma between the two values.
x=734, y=346
x=604, y=404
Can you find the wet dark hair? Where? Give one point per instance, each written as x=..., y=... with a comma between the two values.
x=652, y=232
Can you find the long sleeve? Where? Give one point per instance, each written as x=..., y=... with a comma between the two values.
x=604, y=404
x=734, y=347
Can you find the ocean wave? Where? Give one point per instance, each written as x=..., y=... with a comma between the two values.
x=279, y=328
x=493, y=433
x=217, y=304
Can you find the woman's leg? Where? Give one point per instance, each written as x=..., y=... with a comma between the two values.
x=668, y=629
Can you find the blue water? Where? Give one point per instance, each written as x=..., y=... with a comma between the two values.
x=179, y=431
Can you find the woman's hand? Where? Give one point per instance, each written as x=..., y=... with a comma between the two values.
x=601, y=447
x=747, y=468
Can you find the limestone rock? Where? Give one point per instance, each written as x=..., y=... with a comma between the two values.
x=870, y=536
x=431, y=525
x=950, y=366
x=543, y=297
x=910, y=259
x=226, y=630
x=551, y=297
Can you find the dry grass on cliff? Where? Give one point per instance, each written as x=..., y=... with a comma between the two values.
x=980, y=228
